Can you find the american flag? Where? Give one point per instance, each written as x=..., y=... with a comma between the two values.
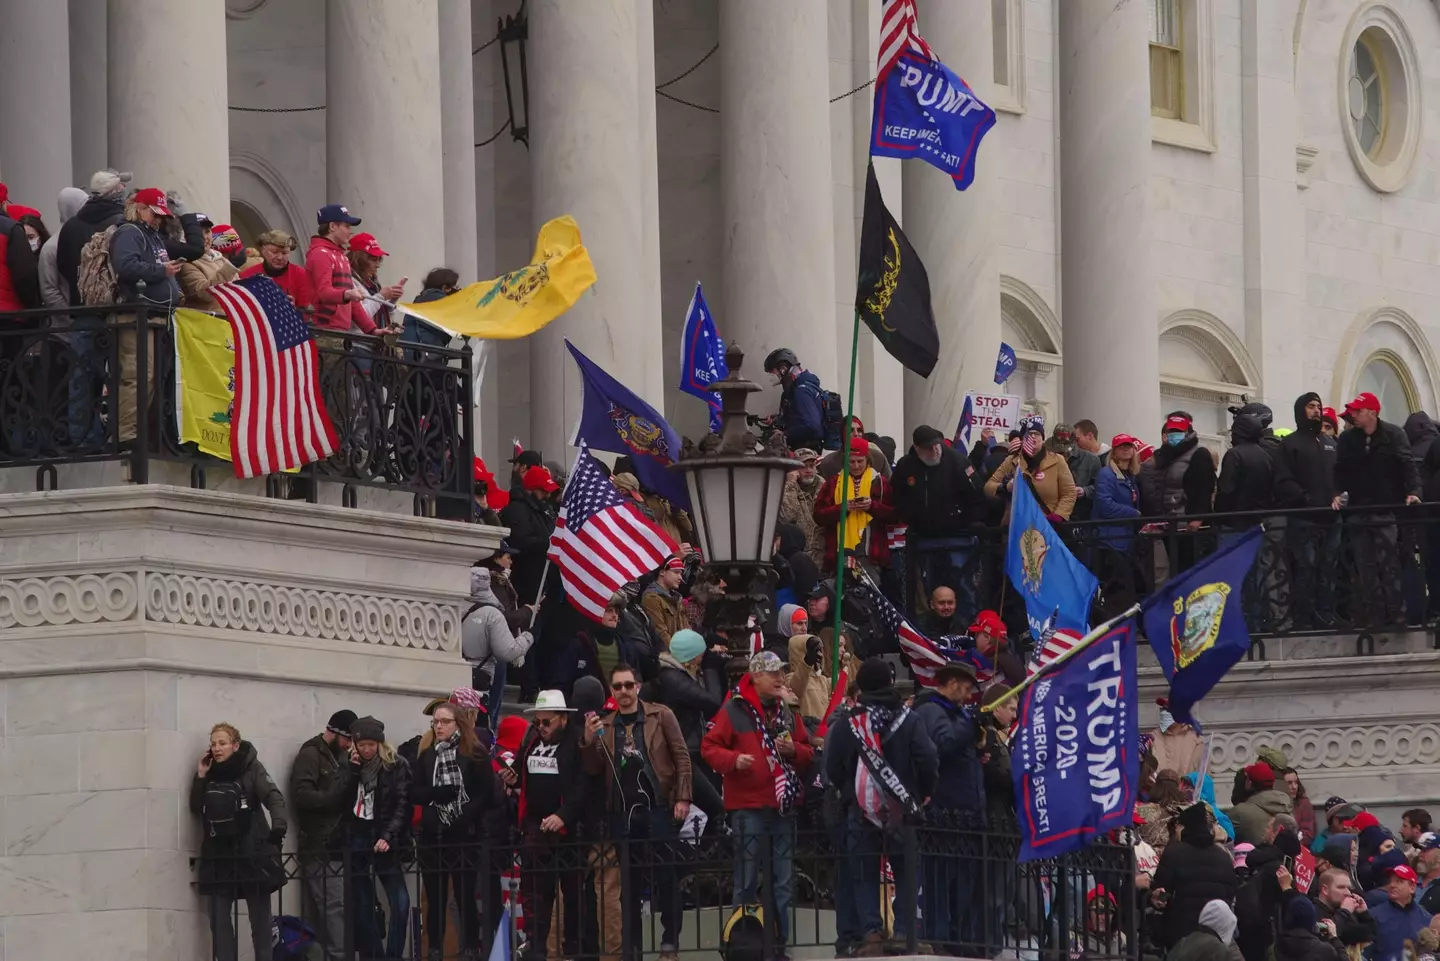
x=602, y=541
x=895, y=537
x=1052, y=643
x=899, y=31
x=278, y=420
x=924, y=656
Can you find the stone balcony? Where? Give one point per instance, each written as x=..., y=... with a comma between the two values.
x=132, y=619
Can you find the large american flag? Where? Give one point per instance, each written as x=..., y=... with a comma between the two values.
x=924, y=656
x=278, y=420
x=602, y=541
x=1051, y=643
x=899, y=31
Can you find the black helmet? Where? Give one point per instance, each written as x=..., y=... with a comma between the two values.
x=781, y=355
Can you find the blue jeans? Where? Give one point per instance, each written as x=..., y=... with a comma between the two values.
x=767, y=827
x=367, y=868
x=848, y=929
x=951, y=880
x=866, y=845
x=86, y=429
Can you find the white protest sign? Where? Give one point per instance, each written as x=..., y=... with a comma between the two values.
x=998, y=412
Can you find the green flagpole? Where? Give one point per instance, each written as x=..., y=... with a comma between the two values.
x=844, y=507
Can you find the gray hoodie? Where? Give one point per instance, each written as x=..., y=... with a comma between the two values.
x=484, y=634
x=54, y=292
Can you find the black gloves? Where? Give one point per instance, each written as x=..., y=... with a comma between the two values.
x=277, y=836
x=812, y=651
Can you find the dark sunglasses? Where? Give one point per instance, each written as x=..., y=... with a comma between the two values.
x=546, y=722
x=621, y=685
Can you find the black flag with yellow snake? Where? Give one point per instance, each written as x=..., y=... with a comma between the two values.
x=893, y=296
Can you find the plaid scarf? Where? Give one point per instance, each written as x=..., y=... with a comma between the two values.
x=447, y=771
x=787, y=781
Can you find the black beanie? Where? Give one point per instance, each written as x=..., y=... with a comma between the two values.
x=340, y=723
x=874, y=675
x=367, y=729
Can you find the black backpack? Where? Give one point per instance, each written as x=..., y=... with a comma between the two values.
x=832, y=418
x=225, y=809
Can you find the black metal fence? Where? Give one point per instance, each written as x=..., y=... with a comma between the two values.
x=1359, y=571
x=951, y=891
x=75, y=389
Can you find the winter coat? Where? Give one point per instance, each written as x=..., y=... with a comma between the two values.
x=392, y=806
x=1054, y=485
x=485, y=634
x=954, y=732
x=485, y=804
x=197, y=277
x=907, y=749
x=1376, y=469
x=666, y=756
x=1178, y=480
x=1247, y=473
x=321, y=790
x=1258, y=902
x=1202, y=944
x=693, y=701
x=939, y=501
x=796, y=571
x=1394, y=926
x=1421, y=432
x=54, y=292
x=797, y=507
x=1303, y=944
x=802, y=413
x=330, y=279
x=137, y=253
x=1000, y=812
x=224, y=861
x=827, y=516
x=733, y=733
x=531, y=523
x=1252, y=816
x=1084, y=468
x=811, y=685
x=19, y=268
x=97, y=214
x=1193, y=870
x=1350, y=928
x=663, y=609
x=1308, y=459
x=293, y=280
x=1116, y=497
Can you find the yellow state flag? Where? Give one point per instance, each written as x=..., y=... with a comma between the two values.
x=204, y=380
x=521, y=302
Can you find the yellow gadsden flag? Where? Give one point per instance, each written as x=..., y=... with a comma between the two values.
x=521, y=302
x=205, y=380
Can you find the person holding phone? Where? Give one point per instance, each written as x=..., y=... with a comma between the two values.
x=239, y=847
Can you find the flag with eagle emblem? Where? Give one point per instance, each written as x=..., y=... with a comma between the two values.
x=893, y=295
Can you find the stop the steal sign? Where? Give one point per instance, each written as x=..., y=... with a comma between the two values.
x=998, y=412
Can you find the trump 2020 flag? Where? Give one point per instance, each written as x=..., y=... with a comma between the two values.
x=1075, y=757
x=1056, y=587
x=922, y=109
x=702, y=356
x=1196, y=624
x=1004, y=363
x=615, y=419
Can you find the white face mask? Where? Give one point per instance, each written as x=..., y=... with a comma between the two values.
x=34, y=243
x=776, y=379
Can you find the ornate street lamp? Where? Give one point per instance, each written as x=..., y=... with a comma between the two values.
x=513, y=32
x=735, y=499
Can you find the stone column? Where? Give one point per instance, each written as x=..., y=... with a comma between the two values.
x=1108, y=296
x=168, y=98
x=587, y=160
x=34, y=91
x=649, y=263
x=778, y=250
x=88, y=134
x=955, y=233
x=457, y=138
x=383, y=144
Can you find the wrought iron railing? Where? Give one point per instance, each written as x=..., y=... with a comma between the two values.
x=402, y=414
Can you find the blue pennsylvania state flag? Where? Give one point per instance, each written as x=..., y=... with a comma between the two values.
x=1196, y=624
x=1004, y=363
x=1075, y=759
x=702, y=356
x=1056, y=587
x=615, y=419
x=922, y=108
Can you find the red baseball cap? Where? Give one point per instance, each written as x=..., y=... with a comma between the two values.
x=481, y=473
x=366, y=243
x=1119, y=440
x=1405, y=873
x=1365, y=401
x=153, y=197
x=16, y=211
x=990, y=623
x=1328, y=413
x=538, y=479
x=1177, y=422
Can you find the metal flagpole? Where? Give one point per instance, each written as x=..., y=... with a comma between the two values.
x=1095, y=634
x=844, y=504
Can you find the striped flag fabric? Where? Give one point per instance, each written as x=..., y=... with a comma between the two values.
x=602, y=541
x=895, y=537
x=279, y=421
x=924, y=656
x=1053, y=643
x=899, y=31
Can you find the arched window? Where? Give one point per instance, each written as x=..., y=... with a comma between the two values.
x=1382, y=377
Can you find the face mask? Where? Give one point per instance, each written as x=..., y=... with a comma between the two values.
x=1030, y=443
x=1175, y=438
x=776, y=378
x=35, y=244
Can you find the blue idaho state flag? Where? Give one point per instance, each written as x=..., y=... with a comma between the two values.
x=1004, y=363
x=1196, y=625
x=615, y=419
x=1056, y=587
x=923, y=109
x=1075, y=759
x=702, y=356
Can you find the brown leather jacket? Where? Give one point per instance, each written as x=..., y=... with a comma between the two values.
x=664, y=748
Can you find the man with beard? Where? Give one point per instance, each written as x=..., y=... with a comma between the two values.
x=275, y=263
x=321, y=791
x=797, y=503
x=1084, y=467
x=1337, y=902
x=941, y=620
x=1313, y=543
x=935, y=497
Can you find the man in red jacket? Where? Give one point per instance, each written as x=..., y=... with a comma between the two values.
x=761, y=752
x=275, y=263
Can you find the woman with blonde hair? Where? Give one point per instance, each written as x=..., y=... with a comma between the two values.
x=239, y=849
x=379, y=832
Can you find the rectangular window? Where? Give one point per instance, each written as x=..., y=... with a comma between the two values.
x=1000, y=32
x=1167, y=66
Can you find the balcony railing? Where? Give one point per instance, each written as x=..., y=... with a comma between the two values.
x=402, y=412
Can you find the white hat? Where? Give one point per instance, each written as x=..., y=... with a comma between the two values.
x=549, y=701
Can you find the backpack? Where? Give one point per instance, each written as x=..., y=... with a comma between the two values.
x=95, y=277
x=225, y=809
x=290, y=937
x=744, y=936
x=832, y=418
